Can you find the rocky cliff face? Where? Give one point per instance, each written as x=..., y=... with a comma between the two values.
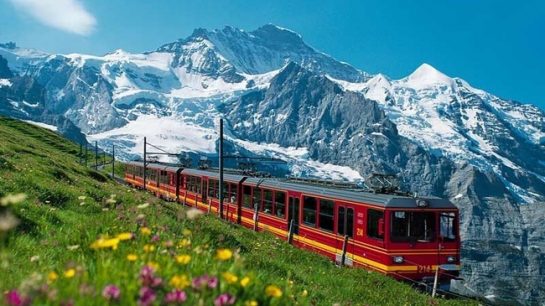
x=282, y=98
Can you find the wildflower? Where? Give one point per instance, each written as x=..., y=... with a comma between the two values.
x=12, y=199
x=146, y=296
x=124, y=236
x=155, y=238
x=111, y=292
x=149, y=248
x=179, y=281
x=193, y=213
x=184, y=242
x=70, y=273
x=34, y=258
x=245, y=281
x=82, y=198
x=103, y=243
x=183, y=259
x=273, y=291
x=73, y=247
x=224, y=299
x=175, y=297
x=13, y=298
x=168, y=243
x=52, y=276
x=145, y=231
x=153, y=265
x=142, y=206
x=230, y=278
x=147, y=277
x=186, y=232
x=82, y=203
x=251, y=303
x=204, y=281
x=304, y=293
x=132, y=257
x=8, y=221
x=224, y=254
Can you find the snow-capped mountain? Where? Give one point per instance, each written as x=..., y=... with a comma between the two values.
x=282, y=98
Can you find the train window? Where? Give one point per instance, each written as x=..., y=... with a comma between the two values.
x=412, y=226
x=247, y=196
x=375, y=220
x=345, y=221
x=198, y=184
x=447, y=226
x=213, y=191
x=280, y=204
x=309, y=211
x=257, y=198
x=326, y=215
x=232, y=194
x=268, y=202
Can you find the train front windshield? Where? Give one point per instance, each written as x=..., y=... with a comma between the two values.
x=412, y=226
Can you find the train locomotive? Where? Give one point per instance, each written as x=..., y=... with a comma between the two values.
x=410, y=238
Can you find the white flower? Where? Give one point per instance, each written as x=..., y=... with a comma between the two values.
x=142, y=206
x=8, y=221
x=34, y=258
x=82, y=198
x=193, y=213
x=73, y=247
x=12, y=199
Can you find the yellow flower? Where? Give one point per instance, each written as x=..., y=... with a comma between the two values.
x=184, y=243
x=245, y=281
x=132, y=257
x=183, y=259
x=52, y=276
x=224, y=254
x=103, y=243
x=251, y=303
x=186, y=232
x=180, y=281
x=145, y=231
x=149, y=248
x=273, y=291
x=124, y=236
x=230, y=278
x=70, y=273
x=153, y=265
x=304, y=293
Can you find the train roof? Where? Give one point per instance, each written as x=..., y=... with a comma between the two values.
x=361, y=196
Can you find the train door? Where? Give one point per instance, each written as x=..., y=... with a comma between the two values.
x=293, y=212
x=346, y=227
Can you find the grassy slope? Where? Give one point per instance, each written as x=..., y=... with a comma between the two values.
x=44, y=166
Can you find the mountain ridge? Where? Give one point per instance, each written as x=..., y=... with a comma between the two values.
x=282, y=98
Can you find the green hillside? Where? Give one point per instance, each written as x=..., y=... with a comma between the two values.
x=79, y=232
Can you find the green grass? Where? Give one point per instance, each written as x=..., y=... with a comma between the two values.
x=57, y=229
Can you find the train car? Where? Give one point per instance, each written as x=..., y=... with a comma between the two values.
x=408, y=238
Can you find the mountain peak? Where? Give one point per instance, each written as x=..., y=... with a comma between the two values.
x=426, y=75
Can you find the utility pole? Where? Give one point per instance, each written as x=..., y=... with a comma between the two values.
x=221, y=168
x=96, y=155
x=145, y=162
x=113, y=161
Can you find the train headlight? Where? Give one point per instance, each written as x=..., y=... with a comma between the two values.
x=398, y=259
x=451, y=259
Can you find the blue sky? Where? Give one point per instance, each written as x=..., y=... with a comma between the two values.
x=498, y=46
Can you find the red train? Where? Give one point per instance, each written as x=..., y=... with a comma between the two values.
x=408, y=238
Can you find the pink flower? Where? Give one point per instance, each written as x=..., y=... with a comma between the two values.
x=155, y=238
x=147, y=277
x=175, y=297
x=204, y=281
x=13, y=298
x=224, y=299
x=146, y=296
x=111, y=292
